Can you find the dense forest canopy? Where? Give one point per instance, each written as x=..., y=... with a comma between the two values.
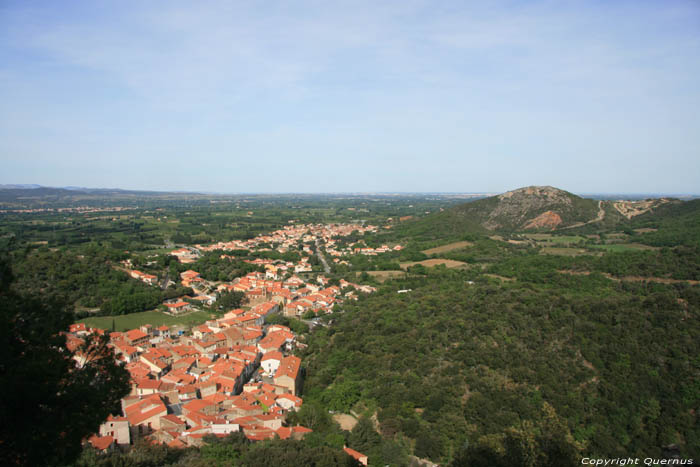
x=463, y=361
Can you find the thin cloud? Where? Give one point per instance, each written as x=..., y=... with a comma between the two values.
x=245, y=86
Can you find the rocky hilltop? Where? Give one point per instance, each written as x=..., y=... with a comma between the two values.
x=538, y=207
x=530, y=208
x=533, y=207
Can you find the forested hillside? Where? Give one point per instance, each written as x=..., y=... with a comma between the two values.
x=86, y=279
x=454, y=365
x=672, y=224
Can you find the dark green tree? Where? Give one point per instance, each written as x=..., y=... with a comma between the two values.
x=363, y=436
x=228, y=301
x=50, y=403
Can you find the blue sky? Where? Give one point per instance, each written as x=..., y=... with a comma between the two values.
x=589, y=96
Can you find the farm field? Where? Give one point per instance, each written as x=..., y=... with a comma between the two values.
x=555, y=239
x=450, y=263
x=381, y=276
x=155, y=318
x=445, y=248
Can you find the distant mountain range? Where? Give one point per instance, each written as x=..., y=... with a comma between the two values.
x=18, y=186
x=467, y=195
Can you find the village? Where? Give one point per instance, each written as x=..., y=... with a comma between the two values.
x=279, y=282
x=235, y=372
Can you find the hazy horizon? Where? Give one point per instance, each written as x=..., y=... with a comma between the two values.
x=413, y=97
x=352, y=192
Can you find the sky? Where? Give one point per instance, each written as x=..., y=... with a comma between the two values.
x=363, y=96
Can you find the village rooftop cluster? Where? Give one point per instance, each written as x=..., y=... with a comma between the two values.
x=235, y=373
x=227, y=375
x=278, y=282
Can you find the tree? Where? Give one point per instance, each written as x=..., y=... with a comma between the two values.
x=228, y=301
x=50, y=403
x=363, y=436
x=309, y=314
x=546, y=442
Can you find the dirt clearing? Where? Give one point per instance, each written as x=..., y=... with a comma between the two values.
x=346, y=422
x=381, y=276
x=445, y=248
x=435, y=262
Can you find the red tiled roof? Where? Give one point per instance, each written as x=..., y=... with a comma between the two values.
x=145, y=409
x=135, y=334
x=289, y=367
x=100, y=442
x=173, y=418
x=274, y=355
x=176, y=443
x=354, y=454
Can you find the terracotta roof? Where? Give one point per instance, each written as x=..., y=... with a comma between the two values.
x=197, y=405
x=146, y=383
x=135, y=334
x=289, y=366
x=273, y=340
x=172, y=418
x=294, y=399
x=354, y=454
x=145, y=409
x=100, y=442
x=176, y=443
x=274, y=355
x=113, y=418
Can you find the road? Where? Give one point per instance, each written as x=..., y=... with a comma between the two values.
x=599, y=218
x=326, y=268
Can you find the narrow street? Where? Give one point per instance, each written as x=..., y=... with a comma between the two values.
x=326, y=267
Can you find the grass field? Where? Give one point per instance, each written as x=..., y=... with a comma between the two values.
x=381, y=276
x=445, y=248
x=155, y=318
x=434, y=262
x=556, y=239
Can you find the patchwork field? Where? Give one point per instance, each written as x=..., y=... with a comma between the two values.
x=435, y=262
x=155, y=318
x=445, y=248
